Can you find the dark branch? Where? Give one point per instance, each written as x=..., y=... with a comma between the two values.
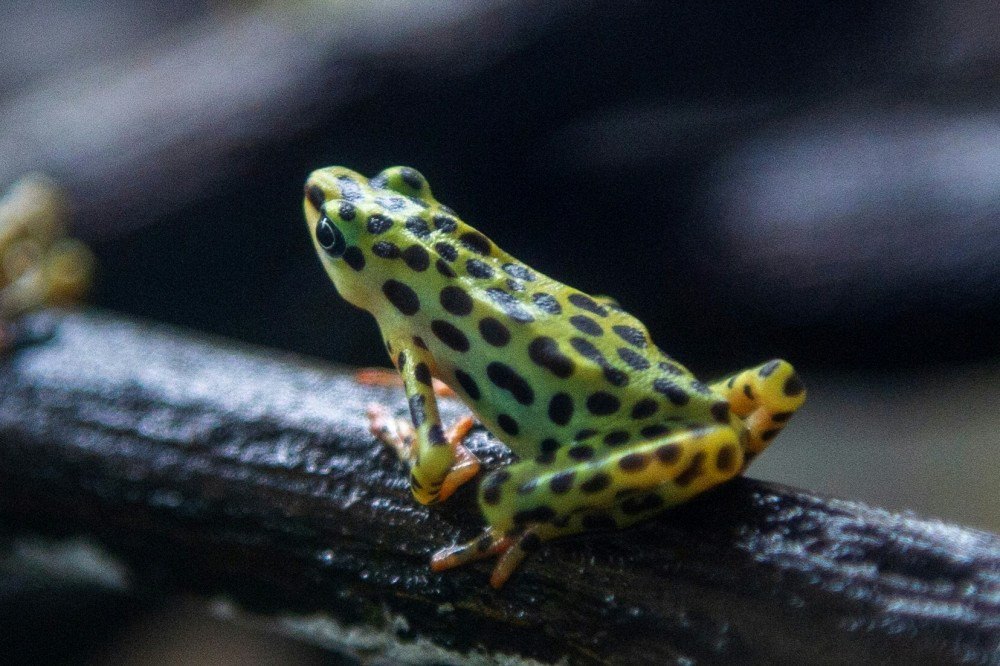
x=219, y=469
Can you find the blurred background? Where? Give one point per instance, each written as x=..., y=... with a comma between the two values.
x=819, y=183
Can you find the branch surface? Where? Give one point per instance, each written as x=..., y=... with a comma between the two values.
x=215, y=468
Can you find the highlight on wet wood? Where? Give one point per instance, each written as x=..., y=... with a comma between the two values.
x=250, y=475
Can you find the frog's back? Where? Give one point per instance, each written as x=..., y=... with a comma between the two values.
x=578, y=368
x=537, y=361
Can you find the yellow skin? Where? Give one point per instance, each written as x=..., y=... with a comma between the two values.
x=39, y=265
x=609, y=429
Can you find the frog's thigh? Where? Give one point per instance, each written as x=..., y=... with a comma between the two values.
x=438, y=462
x=529, y=503
x=678, y=465
x=765, y=397
x=663, y=473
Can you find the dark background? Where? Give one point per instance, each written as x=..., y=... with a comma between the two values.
x=819, y=182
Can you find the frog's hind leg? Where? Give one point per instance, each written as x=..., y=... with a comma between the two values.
x=502, y=537
x=662, y=473
x=528, y=503
x=765, y=397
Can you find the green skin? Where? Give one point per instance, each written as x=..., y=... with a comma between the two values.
x=609, y=430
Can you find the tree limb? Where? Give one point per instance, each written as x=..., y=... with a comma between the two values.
x=221, y=469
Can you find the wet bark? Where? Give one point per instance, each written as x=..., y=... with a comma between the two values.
x=214, y=468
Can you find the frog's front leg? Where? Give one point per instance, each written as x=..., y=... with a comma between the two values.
x=530, y=502
x=765, y=397
x=438, y=461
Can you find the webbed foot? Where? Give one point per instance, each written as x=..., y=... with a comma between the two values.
x=397, y=433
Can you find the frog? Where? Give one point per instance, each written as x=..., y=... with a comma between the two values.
x=607, y=429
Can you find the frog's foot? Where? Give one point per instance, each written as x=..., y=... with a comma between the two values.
x=466, y=463
x=390, y=379
x=397, y=434
x=486, y=545
x=511, y=549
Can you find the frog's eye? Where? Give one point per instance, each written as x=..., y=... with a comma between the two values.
x=330, y=238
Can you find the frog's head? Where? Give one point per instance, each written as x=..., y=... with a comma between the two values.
x=353, y=220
